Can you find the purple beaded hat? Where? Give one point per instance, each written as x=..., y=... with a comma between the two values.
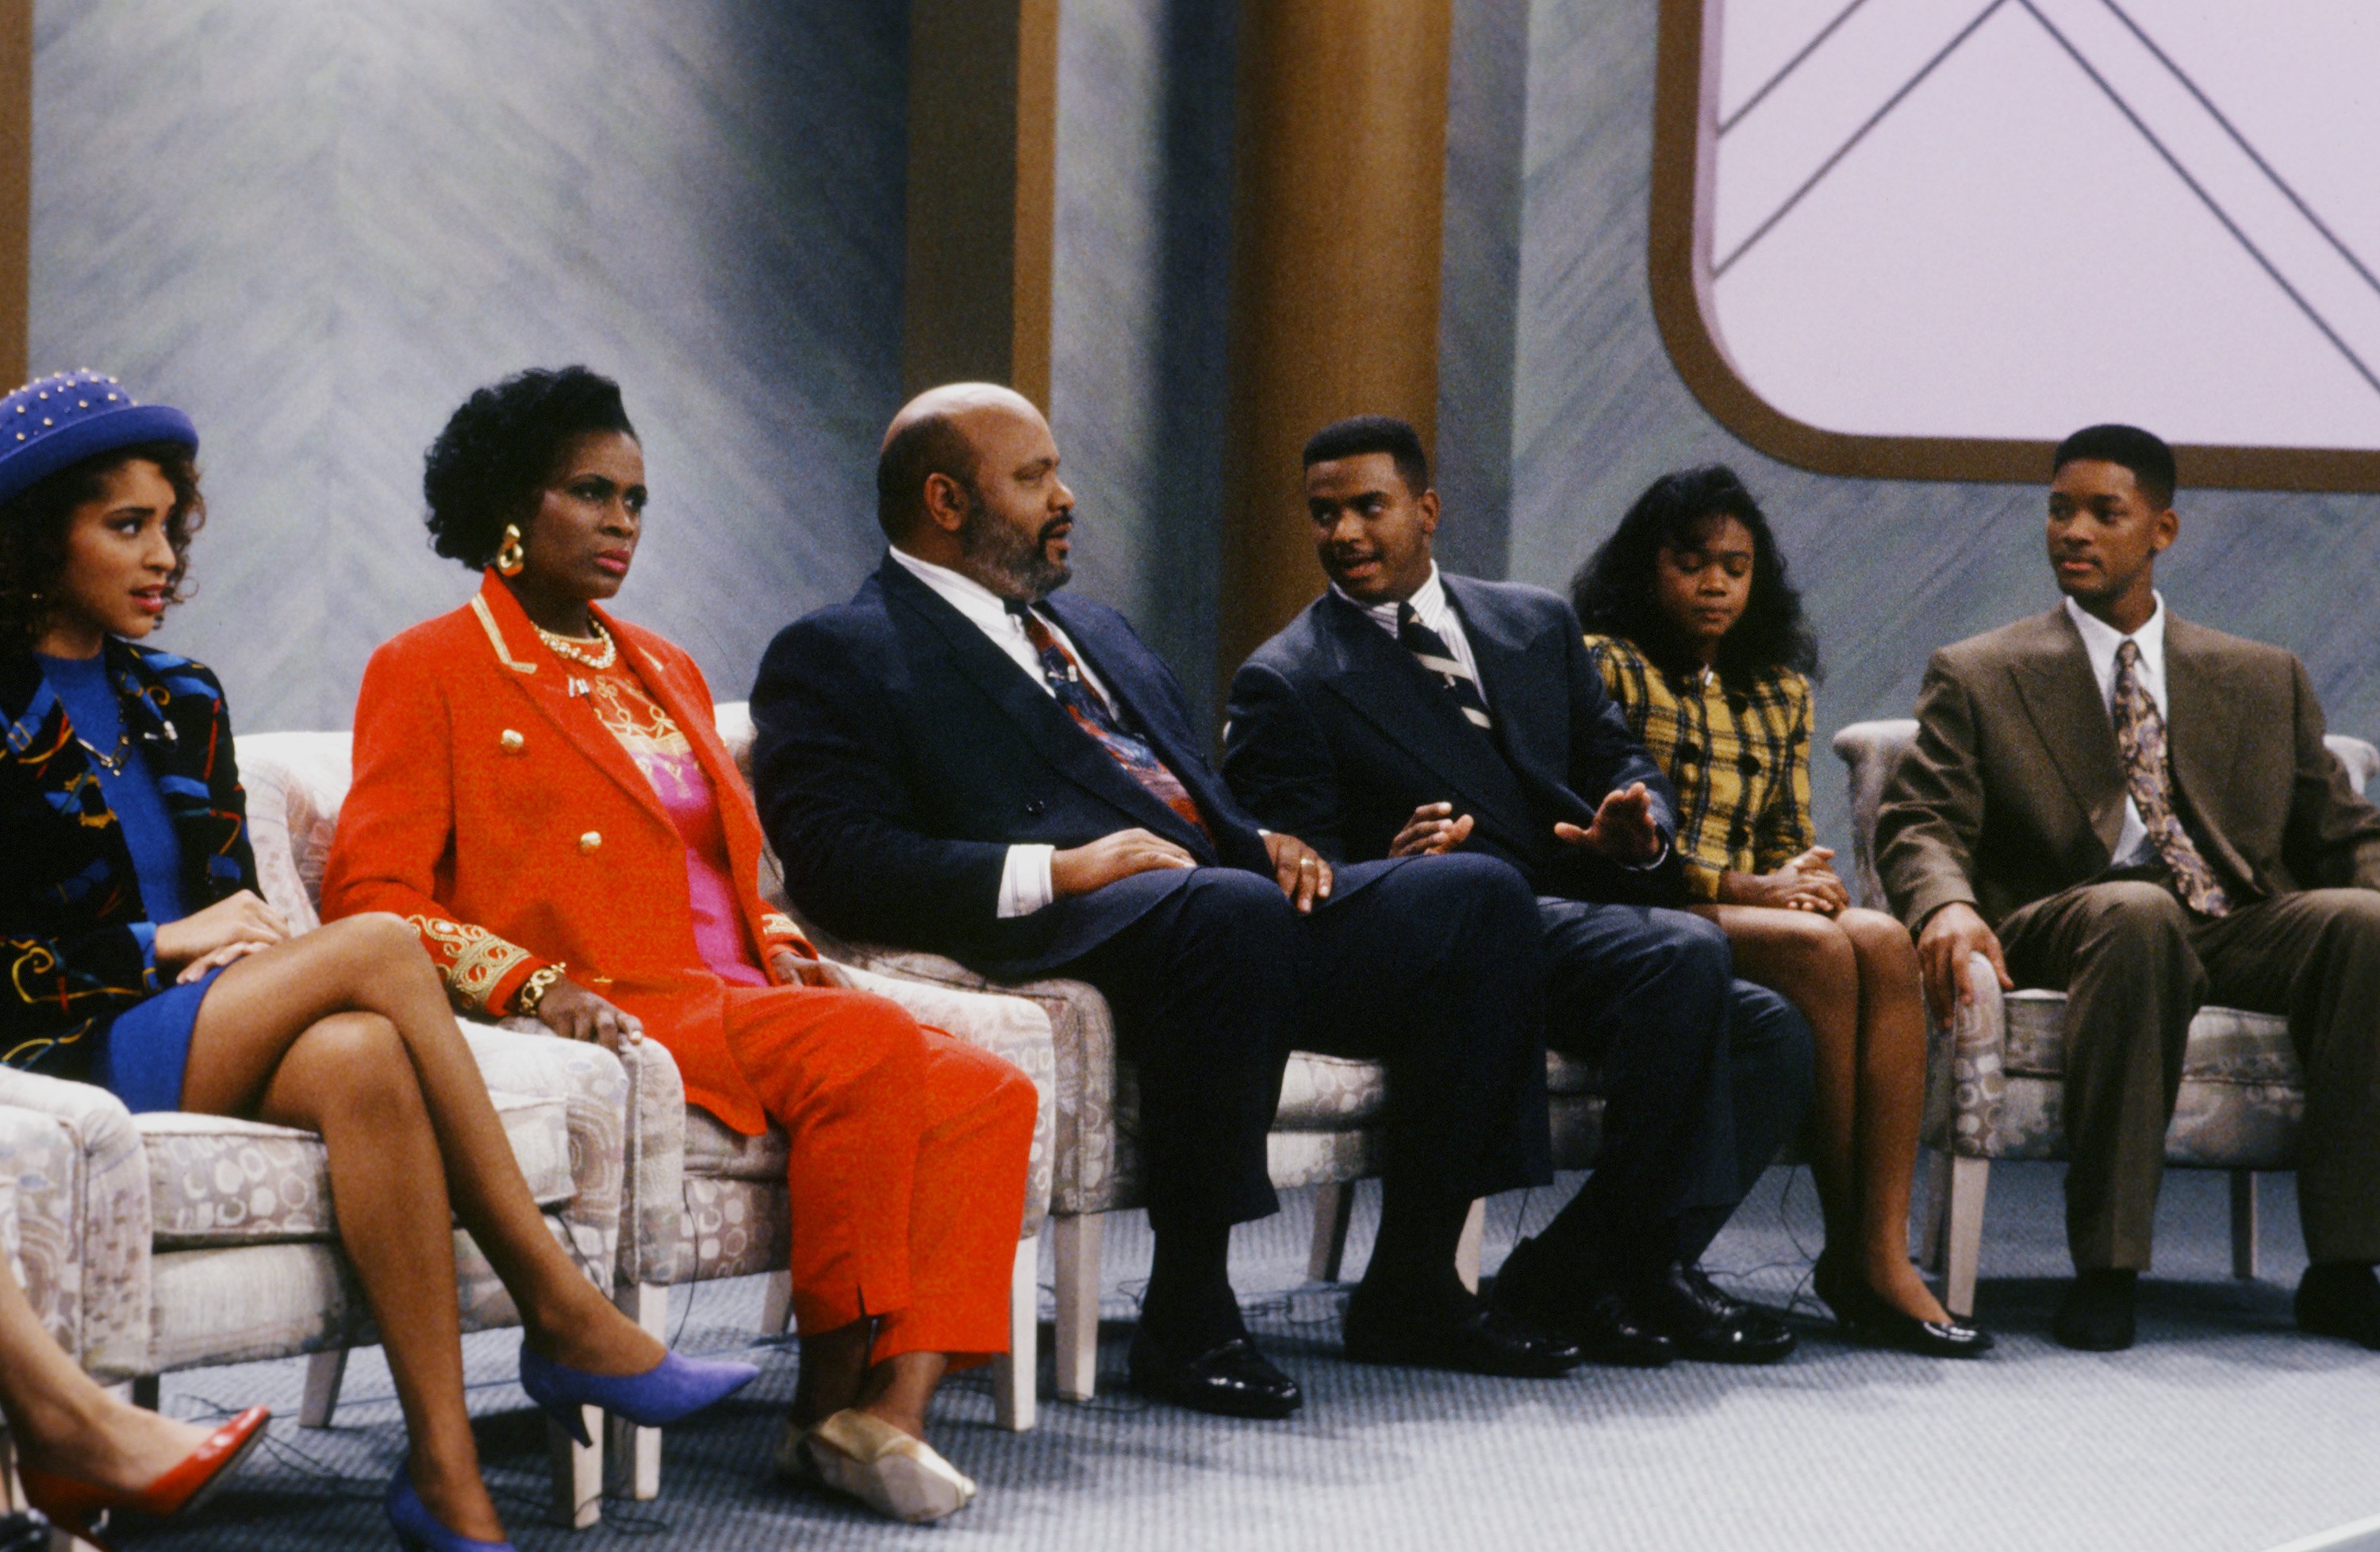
x=56, y=423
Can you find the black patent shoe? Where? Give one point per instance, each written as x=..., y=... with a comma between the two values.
x=1864, y=1313
x=2340, y=1299
x=1478, y=1339
x=1595, y=1320
x=1229, y=1379
x=1707, y=1325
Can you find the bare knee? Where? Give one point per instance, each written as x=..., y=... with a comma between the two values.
x=377, y=947
x=1811, y=946
x=356, y=1067
x=1881, y=942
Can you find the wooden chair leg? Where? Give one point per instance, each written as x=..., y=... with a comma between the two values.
x=2244, y=1224
x=777, y=1304
x=1466, y=1249
x=1934, y=1223
x=325, y=1372
x=1077, y=1332
x=1963, y=1233
x=12, y=1494
x=1334, y=1209
x=632, y=1456
x=578, y=1472
x=1017, y=1374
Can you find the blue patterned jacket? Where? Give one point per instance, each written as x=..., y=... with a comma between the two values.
x=68, y=899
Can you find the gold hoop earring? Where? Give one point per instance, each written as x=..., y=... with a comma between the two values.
x=512, y=558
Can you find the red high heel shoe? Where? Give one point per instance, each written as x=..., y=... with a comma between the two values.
x=71, y=1503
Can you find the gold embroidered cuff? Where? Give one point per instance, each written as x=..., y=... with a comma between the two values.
x=473, y=959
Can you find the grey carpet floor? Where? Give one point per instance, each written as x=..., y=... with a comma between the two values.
x=2223, y=1430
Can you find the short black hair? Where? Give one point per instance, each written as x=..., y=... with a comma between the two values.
x=1613, y=592
x=500, y=448
x=2144, y=452
x=34, y=532
x=928, y=446
x=1360, y=434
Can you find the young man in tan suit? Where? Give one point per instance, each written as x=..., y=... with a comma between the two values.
x=2141, y=811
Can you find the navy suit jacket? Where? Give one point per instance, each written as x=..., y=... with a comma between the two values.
x=899, y=754
x=1337, y=735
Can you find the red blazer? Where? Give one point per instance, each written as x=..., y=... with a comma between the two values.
x=493, y=811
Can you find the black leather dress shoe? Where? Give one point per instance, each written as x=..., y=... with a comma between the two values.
x=2097, y=1315
x=1597, y=1320
x=1864, y=1313
x=1229, y=1379
x=1480, y=1338
x=2340, y=1299
x=1705, y=1324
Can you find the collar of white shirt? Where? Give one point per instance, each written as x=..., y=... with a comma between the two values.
x=1428, y=602
x=964, y=593
x=2102, y=640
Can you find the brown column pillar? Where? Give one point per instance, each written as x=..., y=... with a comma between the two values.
x=1336, y=240
x=16, y=182
x=983, y=144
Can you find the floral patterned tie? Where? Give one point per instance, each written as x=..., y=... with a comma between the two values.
x=1091, y=714
x=2148, y=775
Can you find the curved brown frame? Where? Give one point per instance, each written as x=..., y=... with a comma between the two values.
x=1685, y=139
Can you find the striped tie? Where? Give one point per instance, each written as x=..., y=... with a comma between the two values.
x=1431, y=650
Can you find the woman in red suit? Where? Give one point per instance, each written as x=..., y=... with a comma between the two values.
x=539, y=789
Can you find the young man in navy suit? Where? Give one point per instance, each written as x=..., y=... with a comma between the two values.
x=959, y=760
x=1407, y=713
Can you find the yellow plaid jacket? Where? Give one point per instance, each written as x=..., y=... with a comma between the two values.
x=1739, y=758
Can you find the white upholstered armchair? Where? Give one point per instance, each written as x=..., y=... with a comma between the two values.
x=1994, y=1077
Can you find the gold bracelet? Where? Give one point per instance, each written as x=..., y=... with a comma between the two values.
x=532, y=992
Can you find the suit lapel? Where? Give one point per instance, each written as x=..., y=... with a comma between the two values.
x=544, y=683
x=1048, y=731
x=2061, y=698
x=2198, y=707
x=1532, y=717
x=1382, y=684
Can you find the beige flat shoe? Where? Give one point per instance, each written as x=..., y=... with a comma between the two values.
x=868, y=1459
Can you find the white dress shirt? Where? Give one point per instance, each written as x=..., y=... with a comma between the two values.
x=2101, y=640
x=1024, y=885
x=1434, y=610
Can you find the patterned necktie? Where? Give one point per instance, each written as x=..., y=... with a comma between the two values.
x=1090, y=712
x=2148, y=775
x=1431, y=650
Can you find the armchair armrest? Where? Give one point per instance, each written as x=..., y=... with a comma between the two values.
x=650, y=1193
x=1014, y=1028
x=1966, y=1069
x=38, y=1227
x=94, y=1194
x=593, y=1085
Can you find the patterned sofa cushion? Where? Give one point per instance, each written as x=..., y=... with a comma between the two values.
x=215, y=1182
x=714, y=1151
x=2226, y=1045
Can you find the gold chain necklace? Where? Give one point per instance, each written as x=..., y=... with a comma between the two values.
x=575, y=647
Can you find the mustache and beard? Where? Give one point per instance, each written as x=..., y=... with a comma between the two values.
x=1021, y=561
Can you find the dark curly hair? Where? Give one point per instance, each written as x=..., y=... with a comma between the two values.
x=501, y=447
x=34, y=532
x=1613, y=592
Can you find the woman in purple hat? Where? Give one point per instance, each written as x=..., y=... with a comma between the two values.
x=138, y=955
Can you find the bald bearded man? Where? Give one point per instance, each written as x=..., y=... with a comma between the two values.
x=959, y=760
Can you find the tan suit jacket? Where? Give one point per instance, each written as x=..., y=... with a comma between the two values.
x=2013, y=789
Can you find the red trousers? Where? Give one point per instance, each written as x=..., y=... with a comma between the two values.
x=907, y=1175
